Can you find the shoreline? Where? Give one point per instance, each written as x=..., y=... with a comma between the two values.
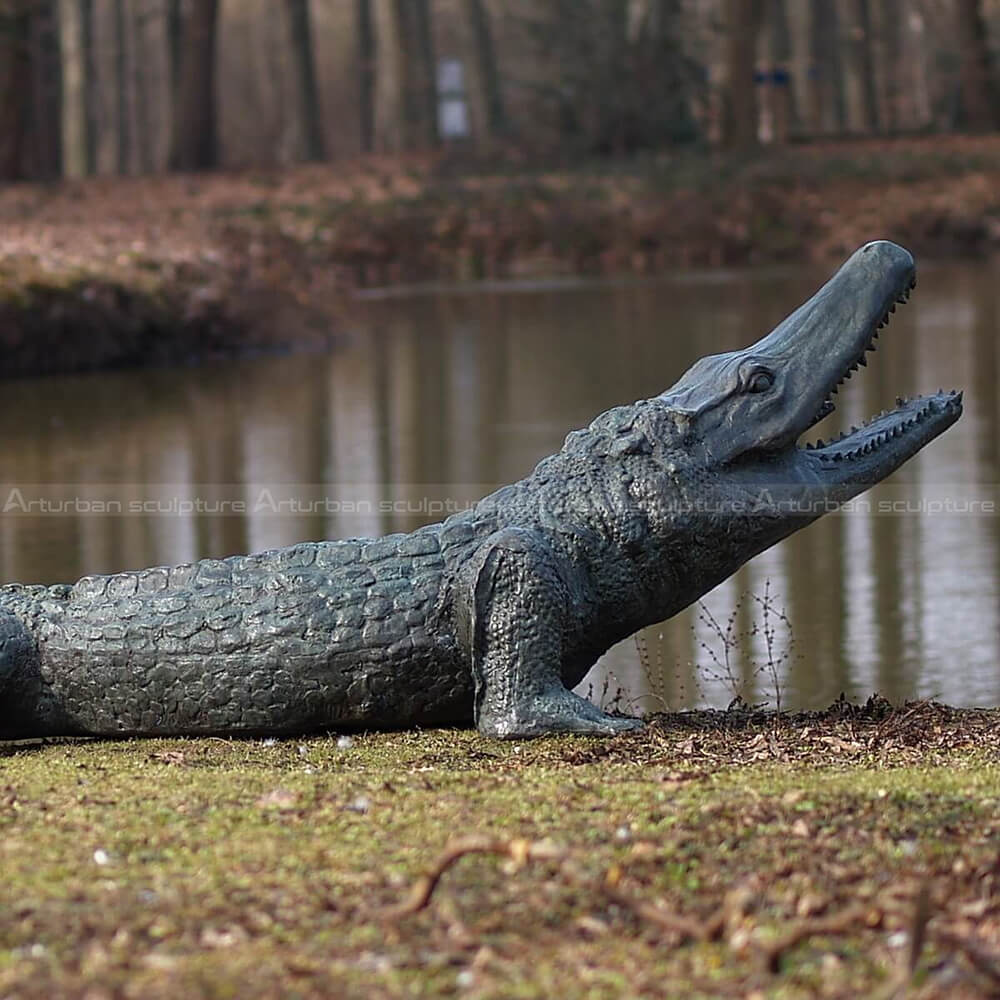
x=120, y=272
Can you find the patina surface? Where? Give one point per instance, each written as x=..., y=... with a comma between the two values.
x=494, y=614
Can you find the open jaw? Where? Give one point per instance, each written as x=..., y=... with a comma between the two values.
x=885, y=441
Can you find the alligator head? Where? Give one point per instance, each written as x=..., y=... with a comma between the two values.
x=743, y=415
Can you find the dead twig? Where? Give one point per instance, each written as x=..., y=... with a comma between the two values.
x=982, y=959
x=837, y=923
x=918, y=926
x=895, y=721
x=519, y=850
x=734, y=907
x=686, y=928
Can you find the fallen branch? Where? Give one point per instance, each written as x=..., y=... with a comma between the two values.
x=686, y=928
x=519, y=850
x=837, y=923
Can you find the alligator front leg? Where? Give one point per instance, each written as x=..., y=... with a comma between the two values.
x=520, y=604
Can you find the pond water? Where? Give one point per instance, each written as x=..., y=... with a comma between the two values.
x=437, y=397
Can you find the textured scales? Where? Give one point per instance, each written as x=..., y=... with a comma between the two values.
x=494, y=614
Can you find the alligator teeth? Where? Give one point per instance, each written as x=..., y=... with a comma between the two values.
x=862, y=361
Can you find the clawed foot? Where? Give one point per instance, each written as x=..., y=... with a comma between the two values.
x=557, y=712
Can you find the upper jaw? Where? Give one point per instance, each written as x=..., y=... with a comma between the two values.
x=825, y=341
x=868, y=342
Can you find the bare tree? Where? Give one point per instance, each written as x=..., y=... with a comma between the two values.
x=42, y=97
x=366, y=73
x=305, y=78
x=15, y=86
x=89, y=82
x=194, y=141
x=890, y=34
x=140, y=89
x=478, y=18
x=611, y=76
x=74, y=98
x=418, y=46
x=778, y=42
x=859, y=71
x=175, y=38
x=829, y=104
x=122, y=123
x=406, y=85
x=742, y=26
x=979, y=109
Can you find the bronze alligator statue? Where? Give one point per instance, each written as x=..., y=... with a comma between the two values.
x=494, y=614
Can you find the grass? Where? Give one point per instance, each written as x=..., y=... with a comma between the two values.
x=218, y=868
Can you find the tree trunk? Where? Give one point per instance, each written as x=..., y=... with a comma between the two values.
x=305, y=77
x=15, y=89
x=868, y=81
x=44, y=105
x=122, y=123
x=979, y=111
x=175, y=38
x=890, y=38
x=74, y=98
x=195, y=145
x=406, y=85
x=859, y=72
x=486, y=64
x=828, y=80
x=140, y=89
x=89, y=82
x=743, y=26
x=409, y=102
x=366, y=74
x=783, y=104
x=424, y=79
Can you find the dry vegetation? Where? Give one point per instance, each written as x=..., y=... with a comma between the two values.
x=122, y=271
x=841, y=854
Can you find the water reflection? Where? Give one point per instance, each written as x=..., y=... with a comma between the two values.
x=436, y=399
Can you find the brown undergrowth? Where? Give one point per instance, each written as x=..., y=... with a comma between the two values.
x=117, y=271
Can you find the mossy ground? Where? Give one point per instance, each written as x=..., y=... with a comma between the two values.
x=217, y=868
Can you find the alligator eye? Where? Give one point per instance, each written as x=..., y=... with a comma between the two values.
x=760, y=382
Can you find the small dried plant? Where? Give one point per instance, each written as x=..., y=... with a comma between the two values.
x=771, y=624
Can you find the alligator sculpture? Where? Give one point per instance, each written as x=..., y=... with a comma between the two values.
x=494, y=614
